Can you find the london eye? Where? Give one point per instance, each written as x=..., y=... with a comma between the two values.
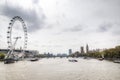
x=11, y=44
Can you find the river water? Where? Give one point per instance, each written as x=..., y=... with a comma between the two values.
x=60, y=69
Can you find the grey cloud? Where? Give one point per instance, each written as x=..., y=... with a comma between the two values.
x=35, y=21
x=112, y=28
x=0, y=36
x=51, y=45
x=115, y=29
x=116, y=32
x=75, y=29
x=35, y=1
x=105, y=27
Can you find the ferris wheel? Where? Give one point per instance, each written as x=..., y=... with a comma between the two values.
x=11, y=45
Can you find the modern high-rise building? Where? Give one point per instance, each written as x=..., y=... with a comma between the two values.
x=87, y=48
x=82, y=50
x=70, y=51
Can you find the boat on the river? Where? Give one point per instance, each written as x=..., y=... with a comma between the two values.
x=9, y=60
x=72, y=60
x=34, y=59
x=102, y=57
x=85, y=57
x=116, y=61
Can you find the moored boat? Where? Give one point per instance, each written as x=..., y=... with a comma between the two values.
x=34, y=59
x=100, y=59
x=8, y=61
x=72, y=60
x=116, y=61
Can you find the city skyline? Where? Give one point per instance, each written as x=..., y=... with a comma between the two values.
x=55, y=26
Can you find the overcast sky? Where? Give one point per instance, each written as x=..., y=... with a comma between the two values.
x=58, y=25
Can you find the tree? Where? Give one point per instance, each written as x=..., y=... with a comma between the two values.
x=2, y=56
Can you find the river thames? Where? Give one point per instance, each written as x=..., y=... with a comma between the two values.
x=60, y=69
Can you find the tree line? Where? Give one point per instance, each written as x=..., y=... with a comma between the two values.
x=111, y=53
